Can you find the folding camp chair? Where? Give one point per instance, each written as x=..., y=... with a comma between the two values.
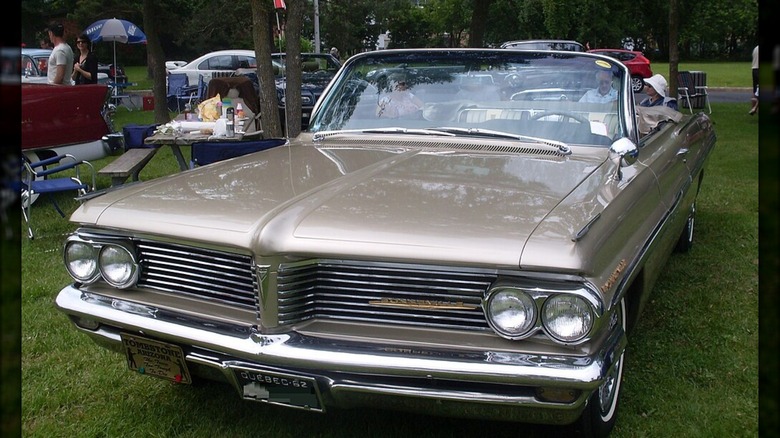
x=179, y=91
x=207, y=152
x=199, y=93
x=37, y=180
x=688, y=91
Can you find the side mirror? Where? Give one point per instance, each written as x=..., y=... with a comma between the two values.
x=626, y=152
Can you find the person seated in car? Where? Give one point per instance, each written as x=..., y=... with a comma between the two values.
x=655, y=88
x=400, y=101
x=604, y=93
x=477, y=88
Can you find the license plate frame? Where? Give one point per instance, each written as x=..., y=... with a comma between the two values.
x=154, y=358
x=278, y=388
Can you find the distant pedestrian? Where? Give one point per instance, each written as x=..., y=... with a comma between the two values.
x=754, y=98
x=335, y=52
x=60, y=66
x=85, y=70
x=45, y=43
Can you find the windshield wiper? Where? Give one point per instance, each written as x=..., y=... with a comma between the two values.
x=562, y=147
x=319, y=136
x=449, y=131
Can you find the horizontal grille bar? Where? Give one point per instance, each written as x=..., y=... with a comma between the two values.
x=382, y=294
x=198, y=272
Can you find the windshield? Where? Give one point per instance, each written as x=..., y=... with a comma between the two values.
x=571, y=98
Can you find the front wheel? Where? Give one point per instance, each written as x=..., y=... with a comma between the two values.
x=598, y=418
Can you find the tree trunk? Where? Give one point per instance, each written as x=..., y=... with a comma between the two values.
x=674, y=53
x=479, y=15
x=156, y=60
x=262, y=36
x=295, y=9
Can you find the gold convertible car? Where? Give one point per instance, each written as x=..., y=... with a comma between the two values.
x=462, y=232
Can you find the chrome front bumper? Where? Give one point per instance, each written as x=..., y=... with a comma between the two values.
x=476, y=384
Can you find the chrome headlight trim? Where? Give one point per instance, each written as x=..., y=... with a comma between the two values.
x=550, y=292
x=511, y=312
x=80, y=259
x=118, y=265
x=567, y=318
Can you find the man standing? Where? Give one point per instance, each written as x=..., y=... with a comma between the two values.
x=61, y=58
x=754, y=97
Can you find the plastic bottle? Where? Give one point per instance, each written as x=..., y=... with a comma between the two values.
x=219, y=110
x=239, y=110
x=230, y=125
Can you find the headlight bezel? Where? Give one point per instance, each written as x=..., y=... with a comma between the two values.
x=541, y=292
x=587, y=315
x=132, y=263
x=518, y=296
x=90, y=246
x=97, y=248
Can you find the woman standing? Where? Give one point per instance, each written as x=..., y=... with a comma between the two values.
x=85, y=70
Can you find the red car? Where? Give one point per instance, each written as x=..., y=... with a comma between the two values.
x=637, y=64
x=65, y=119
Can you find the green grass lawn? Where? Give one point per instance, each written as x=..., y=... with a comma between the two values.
x=691, y=370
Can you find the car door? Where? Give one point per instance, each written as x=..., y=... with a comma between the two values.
x=668, y=157
x=216, y=66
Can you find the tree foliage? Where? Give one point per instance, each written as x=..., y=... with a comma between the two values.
x=715, y=29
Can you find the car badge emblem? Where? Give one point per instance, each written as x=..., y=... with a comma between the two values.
x=407, y=303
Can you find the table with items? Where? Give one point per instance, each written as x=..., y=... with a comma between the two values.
x=180, y=133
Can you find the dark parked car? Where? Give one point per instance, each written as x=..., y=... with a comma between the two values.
x=444, y=239
x=637, y=64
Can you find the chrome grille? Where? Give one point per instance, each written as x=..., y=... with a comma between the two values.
x=382, y=294
x=212, y=275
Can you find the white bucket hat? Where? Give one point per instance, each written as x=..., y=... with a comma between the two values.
x=658, y=83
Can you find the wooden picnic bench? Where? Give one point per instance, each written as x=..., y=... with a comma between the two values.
x=128, y=164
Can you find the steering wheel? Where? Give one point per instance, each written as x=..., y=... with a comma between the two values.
x=565, y=114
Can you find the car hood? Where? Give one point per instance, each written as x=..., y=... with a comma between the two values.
x=351, y=197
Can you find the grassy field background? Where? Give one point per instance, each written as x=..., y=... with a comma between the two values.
x=691, y=370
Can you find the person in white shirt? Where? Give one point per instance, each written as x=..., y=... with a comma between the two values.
x=604, y=93
x=754, y=72
x=60, y=67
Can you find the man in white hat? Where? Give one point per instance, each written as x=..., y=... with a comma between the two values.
x=655, y=88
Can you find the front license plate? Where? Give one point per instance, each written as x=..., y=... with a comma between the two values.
x=155, y=358
x=278, y=388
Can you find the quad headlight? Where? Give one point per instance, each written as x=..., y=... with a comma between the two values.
x=567, y=315
x=511, y=312
x=567, y=318
x=117, y=266
x=88, y=261
x=80, y=261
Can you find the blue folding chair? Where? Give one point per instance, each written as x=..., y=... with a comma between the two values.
x=37, y=180
x=199, y=94
x=207, y=152
x=179, y=91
